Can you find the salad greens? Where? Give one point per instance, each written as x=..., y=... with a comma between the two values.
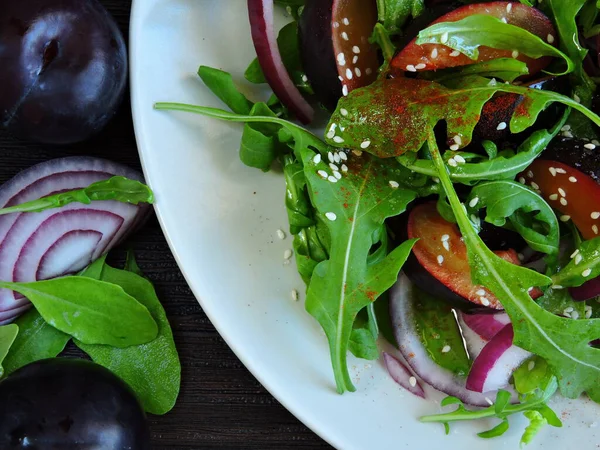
x=8, y=333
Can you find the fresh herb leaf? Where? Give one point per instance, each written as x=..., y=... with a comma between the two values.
x=395, y=114
x=131, y=265
x=362, y=343
x=393, y=14
x=468, y=34
x=557, y=300
x=152, y=369
x=92, y=311
x=222, y=85
x=531, y=375
x=498, y=430
x=8, y=334
x=584, y=266
x=36, y=340
x=381, y=37
x=536, y=423
x=506, y=69
x=259, y=145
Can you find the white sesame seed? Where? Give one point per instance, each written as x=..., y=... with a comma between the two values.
x=281, y=234
x=336, y=158
x=515, y=54
x=489, y=401
x=444, y=38
x=552, y=171
x=337, y=175
x=557, y=287
x=331, y=216
x=340, y=78
x=358, y=152
x=345, y=90
x=338, y=139
x=455, y=53
x=317, y=158
x=440, y=259
x=344, y=168
x=501, y=126
x=474, y=201
x=586, y=273
x=365, y=144
x=452, y=162
x=357, y=72
x=434, y=53
x=412, y=381
x=369, y=71
x=530, y=365
x=566, y=314
x=457, y=139
x=578, y=259
x=330, y=134
x=346, y=21
x=394, y=184
x=475, y=219
x=355, y=59
x=323, y=174
x=459, y=159
x=508, y=7
x=550, y=39
x=561, y=191
x=356, y=49
x=565, y=218
x=595, y=229
x=341, y=58
x=504, y=20
x=344, y=112
x=575, y=315
x=522, y=180
x=349, y=74
x=446, y=349
x=344, y=35
x=567, y=134
x=595, y=215
x=411, y=68
x=590, y=146
x=304, y=78
x=573, y=179
x=564, y=202
x=287, y=254
x=570, y=309
x=446, y=246
x=420, y=66
x=481, y=292
x=492, y=82
x=343, y=156
x=530, y=174
x=445, y=237
x=553, y=197
x=588, y=313
x=484, y=301
x=336, y=24
x=330, y=157
x=535, y=185
x=454, y=147
x=574, y=254
x=332, y=179
x=294, y=295
x=333, y=167
x=576, y=98
x=566, y=128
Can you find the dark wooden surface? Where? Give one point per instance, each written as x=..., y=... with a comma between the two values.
x=221, y=404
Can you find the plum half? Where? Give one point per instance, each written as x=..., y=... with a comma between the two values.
x=335, y=49
x=63, y=71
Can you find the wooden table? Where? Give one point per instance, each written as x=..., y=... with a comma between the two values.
x=221, y=404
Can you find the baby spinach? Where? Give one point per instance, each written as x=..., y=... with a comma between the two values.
x=36, y=340
x=117, y=188
x=476, y=30
x=8, y=333
x=152, y=369
x=584, y=266
x=222, y=85
x=92, y=311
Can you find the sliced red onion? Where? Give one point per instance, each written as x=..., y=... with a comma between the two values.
x=415, y=353
x=401, y=375
x=473, y=340
x=56, y=242
x=588, y=290
x=260, y=13
x=497, y=361
x=485, y=325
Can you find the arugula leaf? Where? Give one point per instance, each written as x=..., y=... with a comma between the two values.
x=152, y=369
x=92, y=311
x=557, y=300
x=506, y=69
x=584, y=266
x=527, y=212
x=562, y=342
x=536, y=423
x=259, y=146
x=393, y=14
x=381, y=37
x=531, y=375
x=363, y=343
x=8, y=333
x=391, y=116
x=36, y=340
x=222, y=85
x=468, y=34
x=118, y=188
x=131, y=265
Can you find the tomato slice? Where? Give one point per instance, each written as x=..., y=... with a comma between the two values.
x=437, y=56
x=442, y=252
x=571, y=192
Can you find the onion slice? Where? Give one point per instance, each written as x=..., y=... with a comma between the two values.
x=260, y=13
x=485, y=325
x=497, y=361
x=415, y=353
x=401, y=375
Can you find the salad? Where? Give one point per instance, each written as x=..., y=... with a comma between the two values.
x=442, y=190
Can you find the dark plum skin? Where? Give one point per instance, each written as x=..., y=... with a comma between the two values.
x=63, y=69
x=572, y=152
x=65, y=403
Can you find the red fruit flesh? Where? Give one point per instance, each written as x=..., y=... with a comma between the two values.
x=449, y=265
x=437, y=56
x=571, y=192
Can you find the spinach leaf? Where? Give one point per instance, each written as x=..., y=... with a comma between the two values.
x=584, y=266
x=222, y=85
x=562, y=342
x=468, y=34
x=393, y=14
x=131, y=265
x=527, y=212
x=92, y=311
x=391, y=116
x=8, y=333
x=118, y=188
x=152, y=369
x=36, y=340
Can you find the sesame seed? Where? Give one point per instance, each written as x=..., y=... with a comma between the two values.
x=595, y=229
x=343, y=156
x=560, y=170
x=522, y=180
x=304, y=78
x=338, y=139
x=530, y=174
x=357, y=72
x=356, y=49
x=574, y=254
x=412, y=381
x=349, y=74
x=569, y=310
x=345, y=90
x=504, y=20
x=344, y=112
x=344, y=168
x=452, y=162
x=473, y=202
x=330, y=157
x=344, y=35
x=336, y=158
x=567, y=134
x=521, y=256
x=454, y=147
x=434, y=53
x=365, y=144
x=550, y=39
x=484, y=301
x=333, y=167
x=346, y=21
x=530, y=365
x=564, y=202
x=317, y=158
x=281, y=234
x=332, y=179
x=492, y=82
x=553, y=197
x=557, y=287
x=573, y=179
x=535, y=185
x=459, y=159
x=446, y=349
x=446, y=246
x=475, y=219
x=337, y=175
x=481, y=292
x=341, y=58
x=501, y=126
x=586, y=273
x=287, y=254
x=515, y=54
x=508, y=7
x=561, y=191
x=595, y=215
x=565, y=218
x=575, y=315
x=455, y=53
x=578, y=259
x=588, y=312
x=445, y=237
x=576, y=98
x=369, y=71
x=444, y=38
x=331, y=216
x=566, y=128
x=457, y=139
x=489, y=401
x=552, y=171
x=394, y=184
x=294, y=295
x=440, y=259
x=590, y=146
x=355, y=59
x=323, y=174
x=411, y=68
x=566, y=314
x=358, y=152
x=330, y=134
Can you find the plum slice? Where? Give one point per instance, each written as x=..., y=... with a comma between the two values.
x=415, y=57
x=335, y=49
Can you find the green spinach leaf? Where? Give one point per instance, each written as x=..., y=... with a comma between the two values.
x=8, y=334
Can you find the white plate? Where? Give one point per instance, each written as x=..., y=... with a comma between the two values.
x=221, y=218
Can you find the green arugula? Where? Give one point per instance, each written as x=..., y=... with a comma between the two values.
x=92, y=311
x=8, y=334
x=468, y=34
x=36, y=340
x=391, y=116
x=533, y=406
x=259, y=146
x=506, y=69
x=562, y=342
x=584, y=266
x=531, y=375
x=557, y=300
x=393, y=14
x=222, y=85
x=118, y=188
x=527, y=212
x=131, y=265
